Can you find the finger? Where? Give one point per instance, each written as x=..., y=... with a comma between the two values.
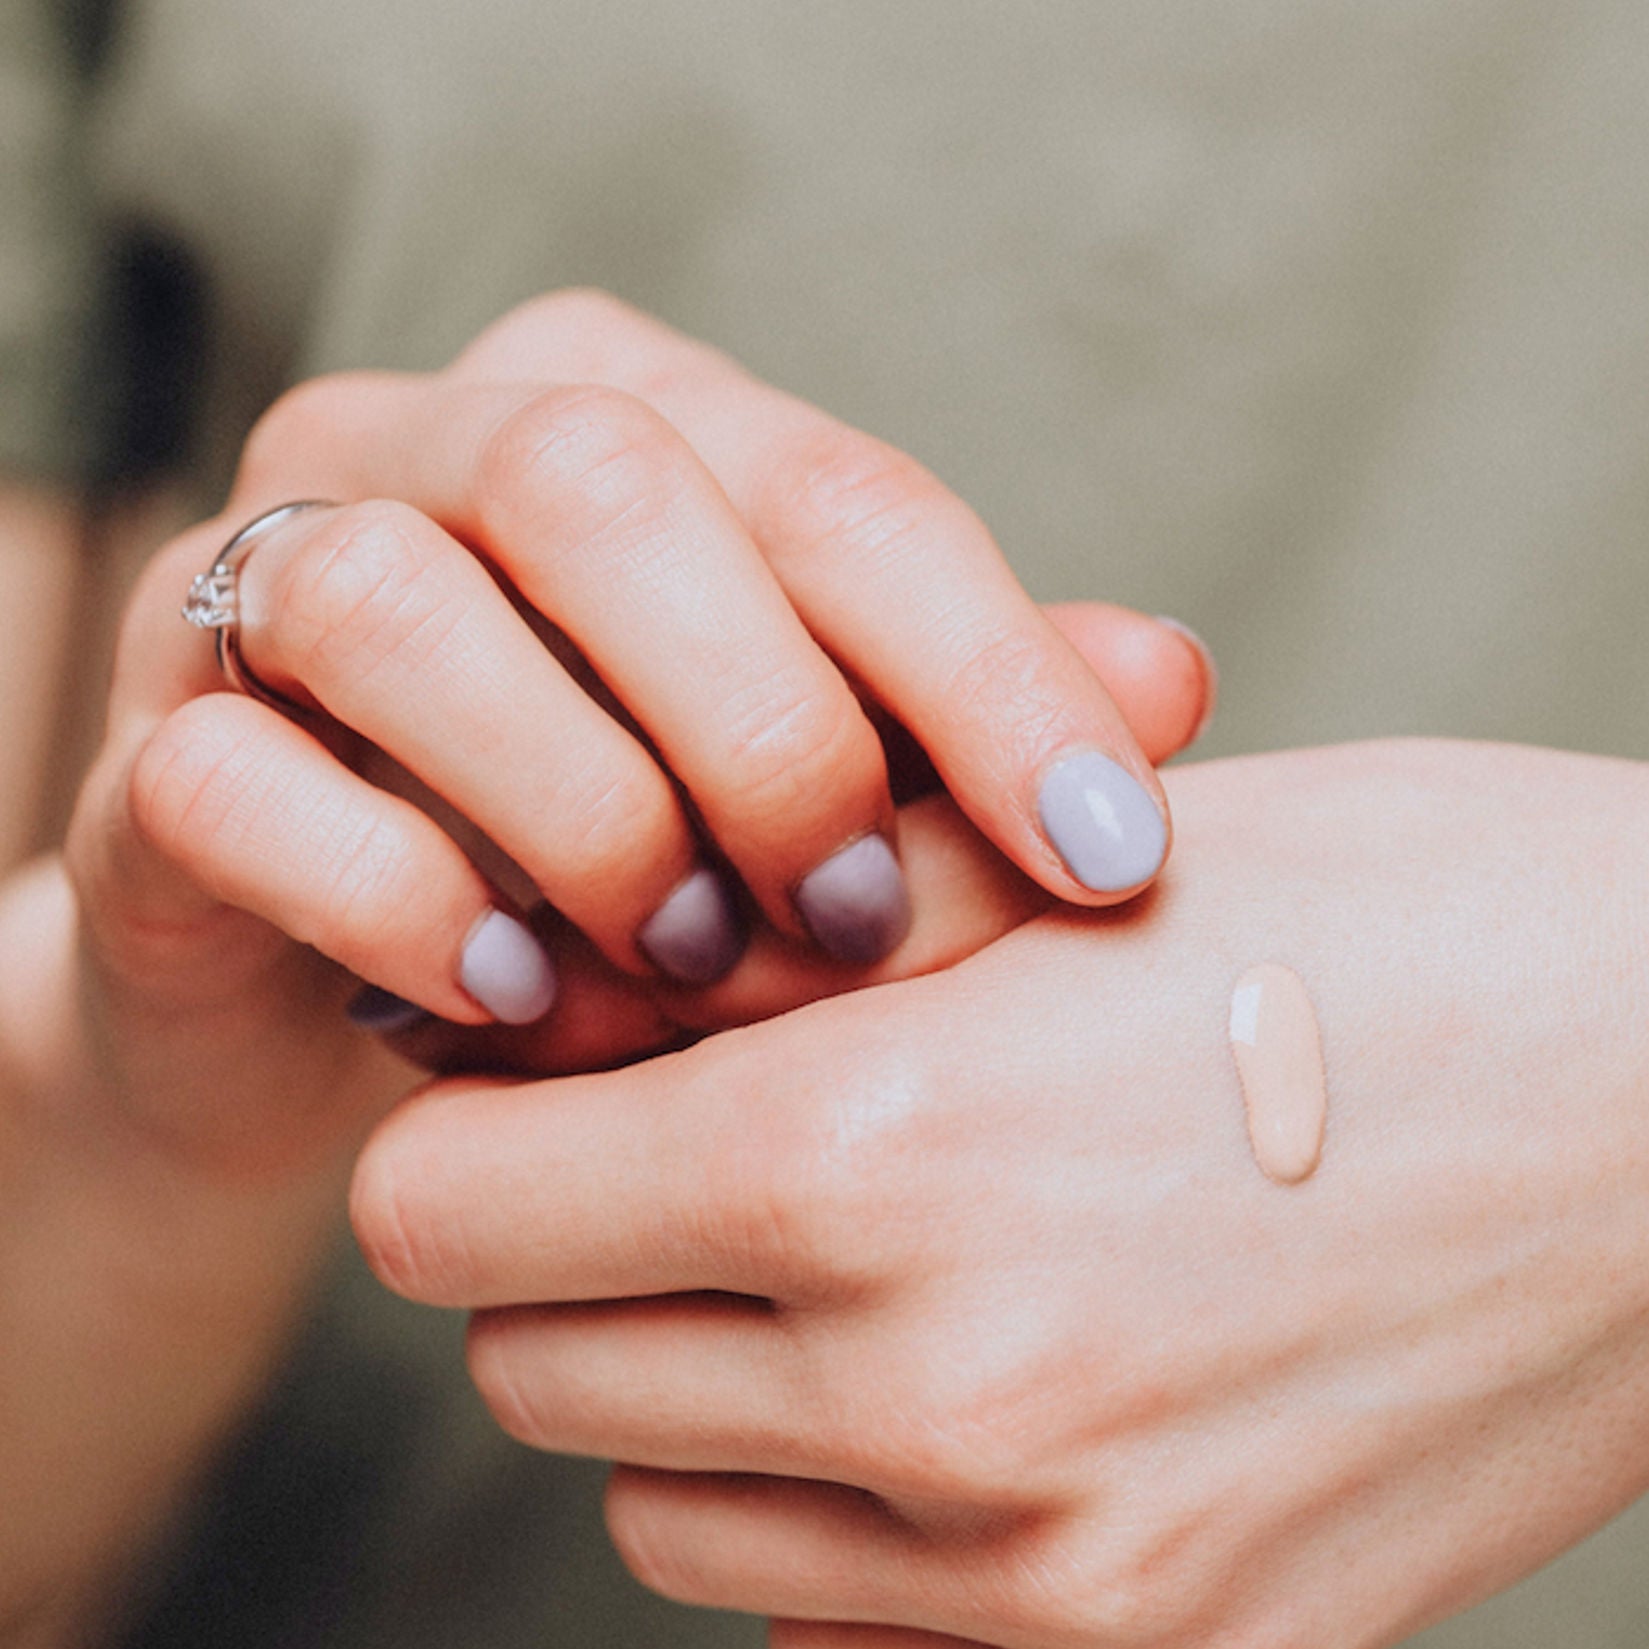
x=803, y=1550
x=904, y=586
x=964, y=895
x=400, y=634
x=1160, y=673
x=699, y=1382
x=603, y=1018
x=604, y=519
x=427, y=1235
x=821, y=1634
x=901, y=582
x=685, y=1173
x=254, y=813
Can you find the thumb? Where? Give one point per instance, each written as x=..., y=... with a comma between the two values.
x=1160, y=674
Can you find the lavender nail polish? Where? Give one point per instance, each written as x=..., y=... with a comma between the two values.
x=1102, y=823
x=505, y=969
x=381, y=1011
x=695, y=935
x=856, y=904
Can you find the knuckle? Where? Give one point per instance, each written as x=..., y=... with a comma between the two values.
x=1131, y=1604
x=570, y=310
x=808, y=1186
x=492, y=1353
x=1006, y=667
x=936, y=1430
x=421, y=1257
x=847, y=493
x=573, y=333
x=372, y=895
x=1140, y=1589
x=788, y=741
x=360, y=590
x=307, y=420
x=612, y=827
x=642, y=1537
x=185, y=786
x=618, y=827
x=594, y=459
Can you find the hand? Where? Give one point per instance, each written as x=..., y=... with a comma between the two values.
x=960, y=1306
x=964, y=894
x=453, y=771
x=730, y=568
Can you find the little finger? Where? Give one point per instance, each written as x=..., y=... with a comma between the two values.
x=265, y=820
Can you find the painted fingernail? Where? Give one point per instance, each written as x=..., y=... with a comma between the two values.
x=381, y=1011
x=1102, y=823
x=1210, y=673
x=505, y=969
x=696, y=935
x=856, y=904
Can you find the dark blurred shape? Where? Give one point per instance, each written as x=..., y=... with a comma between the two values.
x=148, y=363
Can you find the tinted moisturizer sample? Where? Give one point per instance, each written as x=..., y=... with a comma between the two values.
x=1279, y=1053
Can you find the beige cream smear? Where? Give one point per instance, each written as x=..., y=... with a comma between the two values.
x=1279, y=1054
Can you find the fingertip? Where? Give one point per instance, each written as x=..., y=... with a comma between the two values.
x=698, y=934
x=1158, y=671
x=1110, y=832
x=1208, y=675
x=507, y=971
x=856, y=904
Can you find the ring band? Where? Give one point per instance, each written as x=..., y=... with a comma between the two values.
x=213, y=602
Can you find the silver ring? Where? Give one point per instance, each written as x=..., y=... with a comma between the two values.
x=213, y=602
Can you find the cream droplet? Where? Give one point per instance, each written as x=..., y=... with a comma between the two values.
x=1279, y=1054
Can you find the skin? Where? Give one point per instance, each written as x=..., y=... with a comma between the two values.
x=158, y=1219
x=171, y=1229
x=958, y=1311
x=737, y=568
x=755, y=1271
x=39, y=576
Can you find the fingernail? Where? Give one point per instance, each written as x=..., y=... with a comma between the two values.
x=1102, y=823
x=1210, y=673
x=382, y=1011
x=855, y=904
x=505, y=969
x=695, y=935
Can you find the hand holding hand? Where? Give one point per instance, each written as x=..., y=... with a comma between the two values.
x=749, y=590
x=960, y=1306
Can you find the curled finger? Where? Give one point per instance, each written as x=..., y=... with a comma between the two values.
x=268, y=821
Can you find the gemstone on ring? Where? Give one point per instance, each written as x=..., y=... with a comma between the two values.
x=211, y=603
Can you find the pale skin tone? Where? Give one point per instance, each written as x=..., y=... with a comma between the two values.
x=164, y=1225
x=959, y=1311
x=970, y=1281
